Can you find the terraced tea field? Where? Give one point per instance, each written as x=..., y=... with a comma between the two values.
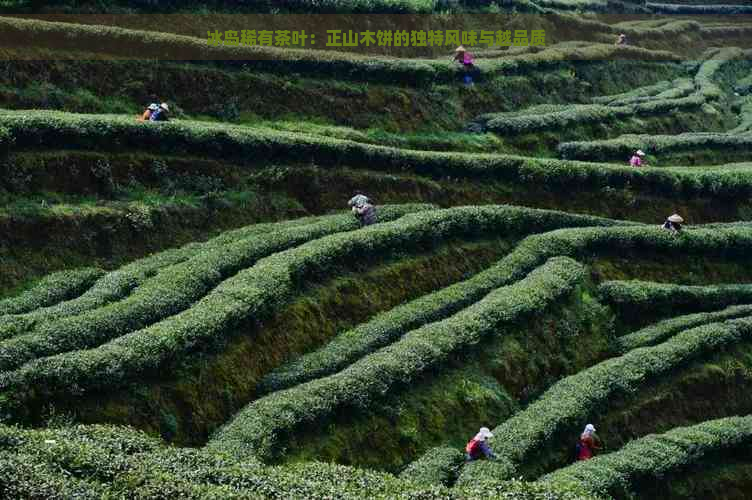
x=188, y=309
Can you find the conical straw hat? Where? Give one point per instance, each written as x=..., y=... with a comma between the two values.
x=676, y=218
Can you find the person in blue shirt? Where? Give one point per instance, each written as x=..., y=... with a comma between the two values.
x=161, y=114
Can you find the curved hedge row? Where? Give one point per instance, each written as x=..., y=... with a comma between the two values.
x=725, y=239
x=502, y=123
x=166, y=294
x=710, y=9
x=259, y=428
x=636, y=104
x=572, y=400
x=655, y=455
x=661, y=331
x=250, y=294
x=95, y=462
x=441, y=467
x=50, y=290
x=111, y=287
x=635, y=298
x=124, y=43
x=380, y=331
x=663, y=89
x=35, y=130
x=117, y=284
x=657, y=145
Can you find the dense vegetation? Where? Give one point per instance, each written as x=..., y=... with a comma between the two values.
x=186, y=311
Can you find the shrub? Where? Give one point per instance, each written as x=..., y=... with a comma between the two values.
x=646, y=92
x=658, y=145
x=638, y=298
x=120, y=42
x=351, y=345
x=166, y=294
x=35, y=130
x=573, y=115
x=661, y=331
x=440, y=466
x=639, y=102
x=655, y=455
x=719, y=10
x=569, y=402
x=116, y=285
x=259, y=428
x=252, y=293
x=94, y=462
x=50, y=290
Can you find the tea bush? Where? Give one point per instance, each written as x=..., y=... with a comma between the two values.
x=34, y=130
x=655, y=455
x=118, y=284
x=349, y=346
x=661, y=331
x=572, y=400
x=52, y=289
x=166, y=294
x=635, y=298
x=259, y=428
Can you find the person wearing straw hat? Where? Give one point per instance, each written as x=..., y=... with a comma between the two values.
x=466, y=59
x=673, y=223
x=621, y=40
x=478, y=446
x=161, y=114
x=637, y=159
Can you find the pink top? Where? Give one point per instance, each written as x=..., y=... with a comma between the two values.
x=469, y=59
x=635, y=161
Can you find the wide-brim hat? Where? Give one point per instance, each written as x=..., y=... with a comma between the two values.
x=164, y=106
x=485, y=433
x=640, y=152
x=461, y=48
x=153, y=106
x=676, y=218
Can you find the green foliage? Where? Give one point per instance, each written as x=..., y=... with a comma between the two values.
x=6, y=140
x=169, y=293
x=661, y=331
x=386, y=327
x=641, y=298
x=647, y=92
x=117, y=285
x=573, y=115
x=568, y=404
x=259, y=429
x=344, y=66
x=656, y=145
x=260, y=6
x=166, y=294
x=54, y=288
x=34, y=130
x=440, y=466
x=94, y=462
x=710, y=9
x=655, y=455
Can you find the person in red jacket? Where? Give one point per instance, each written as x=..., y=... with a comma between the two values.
x=589, y=443
x=478, y=446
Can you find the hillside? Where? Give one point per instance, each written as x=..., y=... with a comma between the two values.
x=188, y=309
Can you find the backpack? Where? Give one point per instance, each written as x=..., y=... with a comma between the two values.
x=473, y=447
